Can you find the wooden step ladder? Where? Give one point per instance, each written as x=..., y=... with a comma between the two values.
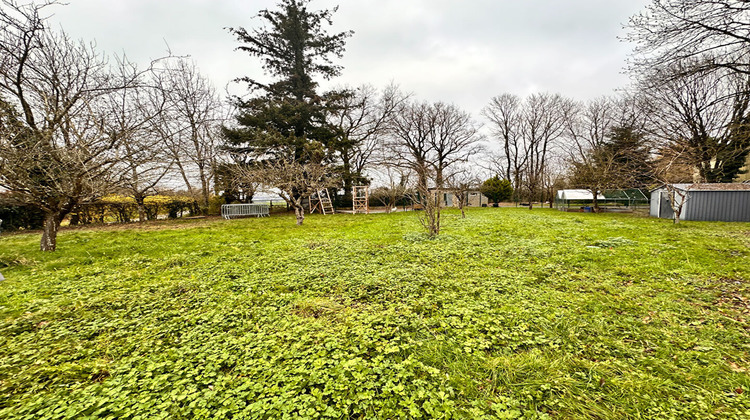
x=321, y=201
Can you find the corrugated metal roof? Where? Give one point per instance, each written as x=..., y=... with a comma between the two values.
x=713, y=187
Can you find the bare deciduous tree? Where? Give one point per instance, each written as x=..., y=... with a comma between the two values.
x=707, y=116
x=362, y=116
x=143, y=161
x=409, y=146
x=544, y=123
x=56, y=152
x=714, y=35
x=429, y=139
x=529, y=131
x=461, y=182
x=592, y=162
x=292, y=179
x=671, y=168
x=396, y=186
x=454, y=139
x=505, y=115
x=189, y=123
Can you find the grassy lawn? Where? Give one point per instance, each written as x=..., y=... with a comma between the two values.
x=510, y=314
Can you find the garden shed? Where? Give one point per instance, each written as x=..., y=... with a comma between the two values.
x=703, y=202
x=448, y=198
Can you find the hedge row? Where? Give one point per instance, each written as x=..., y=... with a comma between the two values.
x=124, y=209
x=16, y=217
x=117, y=209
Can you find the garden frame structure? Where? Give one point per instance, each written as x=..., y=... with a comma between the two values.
x=613, y=200
x=361, y=199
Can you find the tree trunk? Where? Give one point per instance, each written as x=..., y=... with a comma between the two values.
x=299, y=212
x=596, y=201
x=438, y=205
x=142, y=216
x=49, y=235
x=185, y=178
x=205, y=192
x=676, y=207
x=348, y=184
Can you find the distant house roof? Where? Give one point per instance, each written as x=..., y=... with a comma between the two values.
x=577, y=195
x=711, y=187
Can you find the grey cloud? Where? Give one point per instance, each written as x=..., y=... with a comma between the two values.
x=462, y=52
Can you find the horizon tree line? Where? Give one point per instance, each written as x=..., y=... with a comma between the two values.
x=77, y=125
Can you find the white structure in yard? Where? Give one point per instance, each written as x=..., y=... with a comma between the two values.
x=232, y=211
x=572, y=199
x=448, y=198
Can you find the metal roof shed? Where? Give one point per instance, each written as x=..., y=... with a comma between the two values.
x=704, y=202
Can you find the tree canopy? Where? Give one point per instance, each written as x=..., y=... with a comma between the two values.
x=715, y=34
x=58, y=142
x=287, y=113
x=497, y=189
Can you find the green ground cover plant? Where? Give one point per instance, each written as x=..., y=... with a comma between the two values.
x=509, y=314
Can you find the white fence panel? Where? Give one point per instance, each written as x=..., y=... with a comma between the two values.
x=230, y=211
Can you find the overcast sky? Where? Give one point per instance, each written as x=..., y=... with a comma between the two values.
x=464, y=52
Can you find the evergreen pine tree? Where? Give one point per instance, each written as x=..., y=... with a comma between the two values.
x=287, y=116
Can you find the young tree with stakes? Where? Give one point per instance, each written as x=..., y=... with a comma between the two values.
x=429, y=139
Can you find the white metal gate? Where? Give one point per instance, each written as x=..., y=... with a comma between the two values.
x=229, y=211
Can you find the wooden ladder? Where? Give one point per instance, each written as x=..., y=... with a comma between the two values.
x=321, y=201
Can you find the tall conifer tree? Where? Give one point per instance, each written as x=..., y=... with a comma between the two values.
x=287, y=116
